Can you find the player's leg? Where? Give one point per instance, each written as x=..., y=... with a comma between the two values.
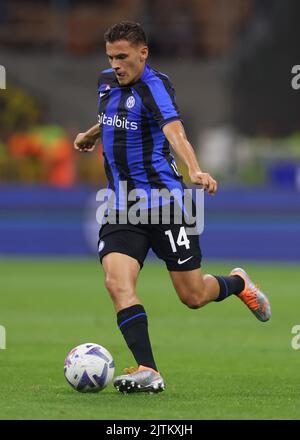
x=180, y=249
x=196, y=290
x=121, y=274
x=182, y=254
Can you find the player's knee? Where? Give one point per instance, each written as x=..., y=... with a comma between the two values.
x=112, y=285
x=117, y=288
x=194, y=301
x=193, y=296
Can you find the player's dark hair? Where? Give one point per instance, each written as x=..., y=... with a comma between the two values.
x=126, y=30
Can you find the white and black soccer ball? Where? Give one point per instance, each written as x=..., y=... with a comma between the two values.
x=89, y=368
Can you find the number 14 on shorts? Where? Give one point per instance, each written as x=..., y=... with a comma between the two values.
x=182, y=239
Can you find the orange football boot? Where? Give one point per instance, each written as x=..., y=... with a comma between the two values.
x=254, y=298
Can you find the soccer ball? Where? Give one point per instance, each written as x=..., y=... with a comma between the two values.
x=89, y=368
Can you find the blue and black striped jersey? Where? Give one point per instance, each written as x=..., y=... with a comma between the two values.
x=134, y=146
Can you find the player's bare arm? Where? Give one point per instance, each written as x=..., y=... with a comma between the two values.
x=175, y=133
x=87, y=141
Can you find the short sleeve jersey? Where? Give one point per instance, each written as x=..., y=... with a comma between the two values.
x=135, y=148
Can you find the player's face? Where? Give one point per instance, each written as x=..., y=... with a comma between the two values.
x=127, y=60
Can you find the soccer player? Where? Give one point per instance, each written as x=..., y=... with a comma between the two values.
x=138, y=122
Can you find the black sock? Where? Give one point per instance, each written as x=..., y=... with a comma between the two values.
x=232, y=285
x=133, y=324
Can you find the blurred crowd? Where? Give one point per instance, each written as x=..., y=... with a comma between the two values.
x=256, y=42
x=181, y=27
x=35, y=151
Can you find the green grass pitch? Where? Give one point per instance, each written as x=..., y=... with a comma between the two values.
x=218, y=362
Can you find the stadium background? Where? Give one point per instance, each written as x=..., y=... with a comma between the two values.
x=231, y=64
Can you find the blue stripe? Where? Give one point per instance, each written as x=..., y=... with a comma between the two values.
x=108, y=144
x=132, y=317
x=162, y=98
x=160, y=163
x=134, y=151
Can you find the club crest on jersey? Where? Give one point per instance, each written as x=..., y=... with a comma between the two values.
x=130, y=102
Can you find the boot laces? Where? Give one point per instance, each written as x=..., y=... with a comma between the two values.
x=130, y=370
x=250, y=297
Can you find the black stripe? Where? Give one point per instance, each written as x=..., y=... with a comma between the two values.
x=120, y=140
x=103, y=103
x=169, y=88
x=169, y=158
x=109, y=174
x=148, y=100
x=147, y=142
x=166, y=147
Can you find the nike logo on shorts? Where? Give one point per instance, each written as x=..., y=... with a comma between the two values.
x=184, y=261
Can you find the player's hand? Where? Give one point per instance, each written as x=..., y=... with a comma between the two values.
x=205, y=181
x=84, y=142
